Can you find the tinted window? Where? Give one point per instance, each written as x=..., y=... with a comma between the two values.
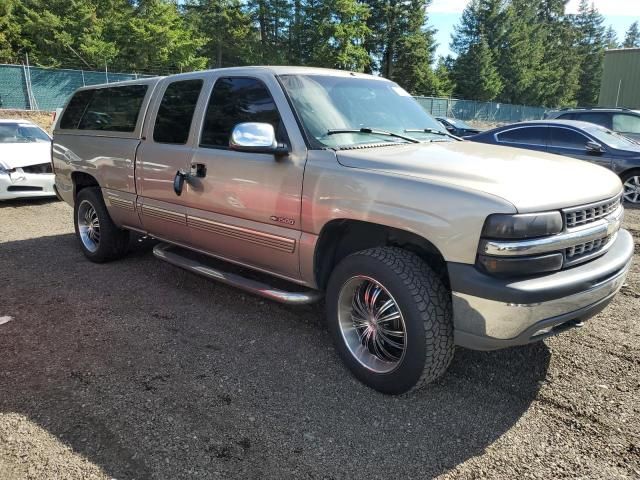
x=75, y=109
x=175, y=114
x=565, y=116
x=601, y=118
x=626, y=123
x=561, y=137
x=234, y=101
x=114, y=109
x=525, y=135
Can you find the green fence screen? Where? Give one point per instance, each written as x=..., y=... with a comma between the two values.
x=47, y=89
x=484, y=111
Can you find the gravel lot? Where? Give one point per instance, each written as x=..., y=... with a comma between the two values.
x=136, y=369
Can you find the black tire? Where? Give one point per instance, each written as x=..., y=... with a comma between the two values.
x=425, y=305
x=113, y=242
x=633, y=176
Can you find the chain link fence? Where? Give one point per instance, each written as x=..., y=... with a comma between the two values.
x=481, y=111
x=34, y=88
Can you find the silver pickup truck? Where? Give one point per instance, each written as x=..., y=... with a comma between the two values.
x=341, y=185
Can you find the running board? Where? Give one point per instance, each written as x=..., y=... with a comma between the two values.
x=165, y=252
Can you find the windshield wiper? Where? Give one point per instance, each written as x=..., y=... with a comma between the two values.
x=372, y=131
x=432, y=130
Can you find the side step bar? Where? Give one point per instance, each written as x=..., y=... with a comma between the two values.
x=163, y=251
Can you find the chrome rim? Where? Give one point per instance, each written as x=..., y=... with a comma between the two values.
x=371, y=324
x=88, y=226
x=632, y=189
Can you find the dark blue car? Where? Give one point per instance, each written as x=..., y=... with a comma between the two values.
x=582, y=140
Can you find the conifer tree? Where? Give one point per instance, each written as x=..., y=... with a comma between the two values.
x=632, y=37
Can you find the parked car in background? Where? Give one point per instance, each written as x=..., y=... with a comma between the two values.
x=25, y=161
x=339, y=182
x=457, y=127
x=582, y=140
x=620, y=120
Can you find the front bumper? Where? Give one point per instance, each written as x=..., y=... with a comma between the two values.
x=492, y=313
x=26, y=185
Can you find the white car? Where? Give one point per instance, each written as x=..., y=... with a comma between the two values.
x=25, y=161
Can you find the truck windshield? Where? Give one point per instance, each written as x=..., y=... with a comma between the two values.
x=345, y=111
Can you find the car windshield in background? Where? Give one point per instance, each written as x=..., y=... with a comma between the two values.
x=21, y=133
x=459, y=123
x=612, y=139
x=328, y=104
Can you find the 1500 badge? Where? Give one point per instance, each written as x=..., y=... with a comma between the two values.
x=288, y=221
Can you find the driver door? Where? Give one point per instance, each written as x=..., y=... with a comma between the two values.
x=246, y=208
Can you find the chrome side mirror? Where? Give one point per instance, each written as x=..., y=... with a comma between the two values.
x=256, y=137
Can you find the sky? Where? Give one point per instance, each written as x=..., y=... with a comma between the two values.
x=445, y=14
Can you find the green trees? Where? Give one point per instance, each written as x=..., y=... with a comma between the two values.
x=536, y=53
x=632, y=37
x=590, y=46
x=611, y=38
x=150, y=35
x=225, y=29
x=513, y=51
x=475, y=73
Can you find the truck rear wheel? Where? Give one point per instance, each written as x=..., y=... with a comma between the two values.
x=100, y=239
x=390, y=318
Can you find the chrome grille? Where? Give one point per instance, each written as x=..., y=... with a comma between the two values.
x=578, y=216
x=578, y=251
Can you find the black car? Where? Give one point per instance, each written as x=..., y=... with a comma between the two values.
x=457, y=127
x=581, y=140
x=620, y=120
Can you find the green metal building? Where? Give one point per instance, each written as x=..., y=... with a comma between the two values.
x=621, y=79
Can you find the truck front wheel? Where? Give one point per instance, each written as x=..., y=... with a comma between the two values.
x=100, y=239
x=390, y=318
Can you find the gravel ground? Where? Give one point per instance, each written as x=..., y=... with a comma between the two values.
x=136, y=369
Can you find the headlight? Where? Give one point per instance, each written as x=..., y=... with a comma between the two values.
x=528, y=225
x=521, y=227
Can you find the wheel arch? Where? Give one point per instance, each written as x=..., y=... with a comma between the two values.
x=82, y=180
x=342, y=237
x=628, y=171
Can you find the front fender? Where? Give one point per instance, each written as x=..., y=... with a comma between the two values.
x=448, y=216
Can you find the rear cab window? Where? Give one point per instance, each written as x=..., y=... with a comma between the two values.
x=110, y=111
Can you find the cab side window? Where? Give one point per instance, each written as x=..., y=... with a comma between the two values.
x=75, y=109
x=236, y=100
x=114, y=109
x=173, y=121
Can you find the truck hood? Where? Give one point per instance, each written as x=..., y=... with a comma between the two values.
x=17, y=155
x=531, y=181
